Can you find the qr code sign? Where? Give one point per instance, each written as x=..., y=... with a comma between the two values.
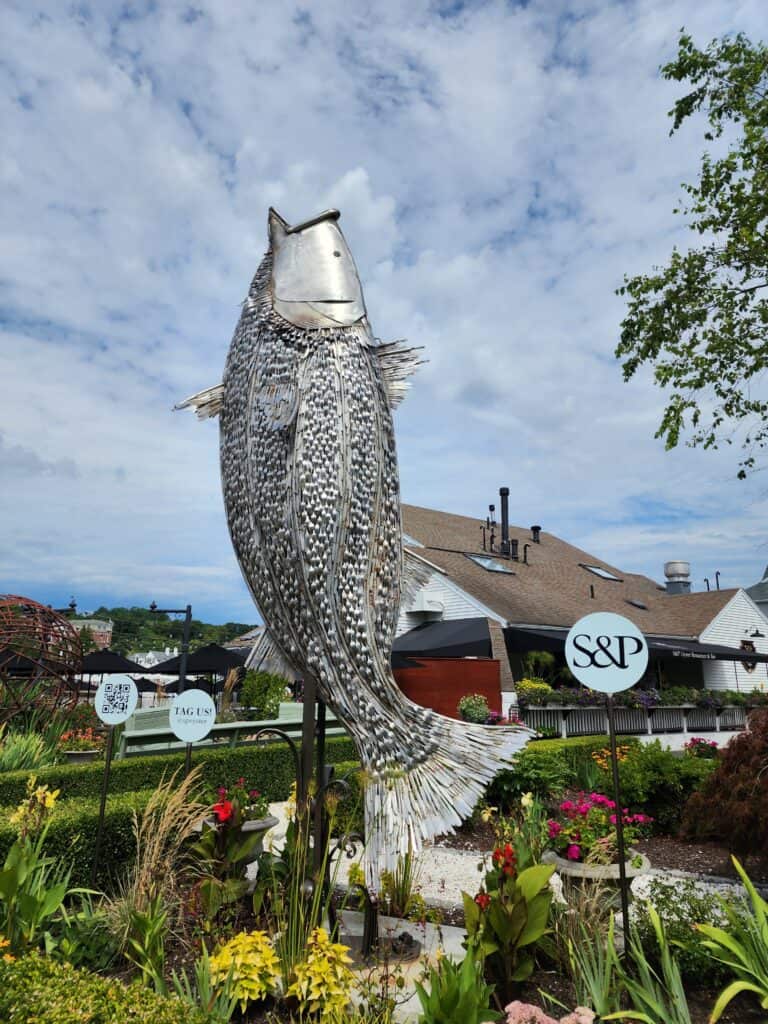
x=116, y=701
x=116, y=698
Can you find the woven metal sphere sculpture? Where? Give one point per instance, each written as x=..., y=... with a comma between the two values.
x=40, y=655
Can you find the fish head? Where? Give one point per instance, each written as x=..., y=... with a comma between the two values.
x=314, y=278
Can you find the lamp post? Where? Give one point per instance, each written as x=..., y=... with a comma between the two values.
x=187, y=613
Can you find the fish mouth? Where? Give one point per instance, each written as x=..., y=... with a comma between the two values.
x=292, y=229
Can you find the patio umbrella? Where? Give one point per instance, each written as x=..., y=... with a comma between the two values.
x=447, y=638
x=205, y=661
x=106, y=662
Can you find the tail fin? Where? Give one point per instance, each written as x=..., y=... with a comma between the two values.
x=404, y=810
x=205, y=403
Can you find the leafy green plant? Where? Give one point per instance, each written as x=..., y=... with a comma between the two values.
x=25, y=751
x=507, y=918
x=145, y=942
x=82, y=936
x=456, y=992
x=322, y=981
x=656, y=997
x=680, y=904
x=262, y=692
x=742, y=947
x=593, y=969
x=249, y=965
x=32, y=886
x=532, y=692
x=216, y=997
x=473, y=707
x=398, y=893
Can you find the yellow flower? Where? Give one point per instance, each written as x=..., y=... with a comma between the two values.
x=526, y=800
x=487, y=814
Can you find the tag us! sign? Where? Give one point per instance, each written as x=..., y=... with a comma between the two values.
x=606, y=652
x=193, y=714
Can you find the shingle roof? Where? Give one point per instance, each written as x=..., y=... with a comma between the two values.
x=554, y=589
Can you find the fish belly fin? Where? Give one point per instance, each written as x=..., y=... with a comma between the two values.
x=406, y=809
x=416, y=575
x=397, y=362
x=205, y=403
x=280, y=401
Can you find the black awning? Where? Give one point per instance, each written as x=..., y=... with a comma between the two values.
x=448, y=638
x=520, y=639
x=209, y=660
x=106, y=662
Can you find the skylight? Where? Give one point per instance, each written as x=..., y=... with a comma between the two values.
x=490, y=564
x=411, y=542
x=598, y=570
x=637, y=604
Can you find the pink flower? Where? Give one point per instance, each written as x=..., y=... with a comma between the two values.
x=573, y=852
x=554, y=827
x=584, y=809
x=566, y=805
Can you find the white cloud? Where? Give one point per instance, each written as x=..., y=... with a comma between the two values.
x=498, y=169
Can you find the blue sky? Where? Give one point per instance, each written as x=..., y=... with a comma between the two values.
x=498, y=166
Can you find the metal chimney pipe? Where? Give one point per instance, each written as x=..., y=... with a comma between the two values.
x=717, y=579
x=536, y=534
x=513, y=548
x=525, y=553
x=504, y=495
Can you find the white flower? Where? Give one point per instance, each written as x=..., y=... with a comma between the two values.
x=556, y=887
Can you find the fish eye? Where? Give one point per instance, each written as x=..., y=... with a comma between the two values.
x=336, y=252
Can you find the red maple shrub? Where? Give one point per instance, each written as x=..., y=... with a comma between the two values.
x=732, y=805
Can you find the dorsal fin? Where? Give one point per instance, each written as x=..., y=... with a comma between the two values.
x=398, y=361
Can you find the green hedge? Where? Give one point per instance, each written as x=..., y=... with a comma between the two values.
x=72, y=831
x=34, y=988
x=271, y=767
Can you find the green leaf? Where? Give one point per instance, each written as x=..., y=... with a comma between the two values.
x=534, y=879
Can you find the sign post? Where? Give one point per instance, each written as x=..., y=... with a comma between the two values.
x=608, y=653
x=114, y=704
x=192, y=717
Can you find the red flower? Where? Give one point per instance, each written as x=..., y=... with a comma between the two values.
x=222, y=791
x=223, y=811
x=483, y=900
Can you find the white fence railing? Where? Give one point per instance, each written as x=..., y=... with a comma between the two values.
x=685, y=719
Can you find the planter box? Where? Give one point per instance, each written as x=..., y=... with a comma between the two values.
x=595, y=872
x=80, y=756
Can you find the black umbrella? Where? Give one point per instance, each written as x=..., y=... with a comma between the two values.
x=209, y=660
x=190, y=684
x=145, y=685
x=106, y=662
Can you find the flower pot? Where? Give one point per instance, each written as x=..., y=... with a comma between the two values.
x=576, y=870
x=80, y=756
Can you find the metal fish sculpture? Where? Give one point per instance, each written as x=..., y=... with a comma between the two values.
x=311, y=490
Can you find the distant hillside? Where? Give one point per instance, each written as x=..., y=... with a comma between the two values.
x=138, y=629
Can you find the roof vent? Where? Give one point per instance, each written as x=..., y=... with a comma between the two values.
x=536, y=534
x=678, y=577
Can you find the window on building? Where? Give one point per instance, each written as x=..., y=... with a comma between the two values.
x=598, y=570
x=489, y=564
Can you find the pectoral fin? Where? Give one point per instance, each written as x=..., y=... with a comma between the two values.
x=398, y=362
x=205, y=403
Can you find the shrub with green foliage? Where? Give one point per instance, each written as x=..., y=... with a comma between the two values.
x=35, y=988
x=545, y=768
x=270, y=765
x=732, y=805
x=657, y=782
x=262, y=692
x=532, y=691
x=681, y=904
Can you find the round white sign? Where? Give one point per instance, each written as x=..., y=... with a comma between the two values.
x=606, y=652
x=116, y=700
x=193, y=714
